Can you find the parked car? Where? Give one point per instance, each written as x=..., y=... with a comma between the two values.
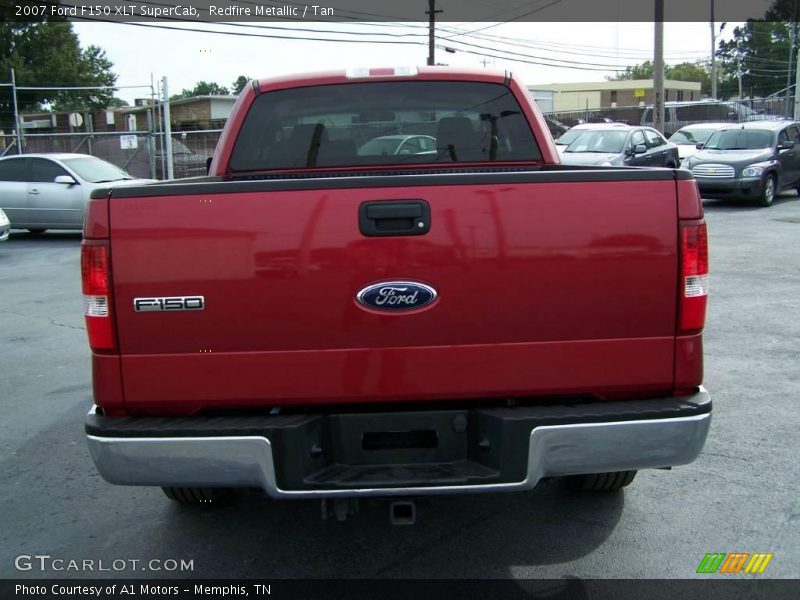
x=50, y=191
x=614, y=144
x=687, y=138
x=336, y=327
x=680, y=114
x=555, y=126
x=398, y=144
x=185, y=162
x=5, y=226
x=751, y=160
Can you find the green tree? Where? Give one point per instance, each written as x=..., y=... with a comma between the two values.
x=642, y=71
x=760, y=51
x=784, y=10
x=117, y=103
x=202, y=88
x=239, y=84
x=49, y=54
x=688, y=71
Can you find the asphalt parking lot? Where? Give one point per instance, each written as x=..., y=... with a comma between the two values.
x=740, y=495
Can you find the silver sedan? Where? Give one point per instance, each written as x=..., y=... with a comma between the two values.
x=50, y=191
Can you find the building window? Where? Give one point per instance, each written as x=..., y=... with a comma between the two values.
x=614, y=96
x=679, y=95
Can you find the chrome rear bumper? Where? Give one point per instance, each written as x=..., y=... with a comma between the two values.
x=553, y=450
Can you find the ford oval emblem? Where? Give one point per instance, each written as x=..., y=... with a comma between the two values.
x=396, y=296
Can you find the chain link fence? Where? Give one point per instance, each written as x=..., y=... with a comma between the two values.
x=139, y=153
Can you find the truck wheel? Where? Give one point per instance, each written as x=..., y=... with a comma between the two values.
x=601, y=482
x=768, y=195
x=183, y=495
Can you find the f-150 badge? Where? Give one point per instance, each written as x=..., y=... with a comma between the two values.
x=396, y=296
x=169, y=304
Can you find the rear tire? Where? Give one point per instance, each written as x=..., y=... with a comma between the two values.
x=601, y=482
x=768, y=195
x=194, y=495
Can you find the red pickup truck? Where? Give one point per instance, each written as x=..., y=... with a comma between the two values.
x=389, y=286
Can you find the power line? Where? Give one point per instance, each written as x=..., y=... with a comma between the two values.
x=527, y=59
x=509, y=20
x=610, y=67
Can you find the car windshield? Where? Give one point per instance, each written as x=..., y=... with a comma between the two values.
x=379, y=146
x=95, y=170
x=739, y=139
x=607, y=142
x=691, y=136
x=569, y=137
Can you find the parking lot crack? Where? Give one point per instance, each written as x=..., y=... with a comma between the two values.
x=50, y=320
x=53, y=322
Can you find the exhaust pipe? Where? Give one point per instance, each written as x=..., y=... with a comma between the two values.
x=403, y=512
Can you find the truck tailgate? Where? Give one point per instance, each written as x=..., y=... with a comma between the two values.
x=544, y=288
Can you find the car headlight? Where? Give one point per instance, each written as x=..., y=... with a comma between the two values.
x=752, y=171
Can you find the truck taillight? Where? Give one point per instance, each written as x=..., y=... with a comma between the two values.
x=694, y=277
x=96, y=277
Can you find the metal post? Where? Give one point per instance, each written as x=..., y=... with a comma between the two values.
x=159, y=132
x=167, y=129
x=797, y=88
x=17, y=121
x=151, y=145
x=739, y=73
x=151, y=127
x=87, y=116
x=713, y=54
x=787, y=111
x=658, y=68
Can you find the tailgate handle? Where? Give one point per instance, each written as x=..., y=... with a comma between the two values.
x=394, y=217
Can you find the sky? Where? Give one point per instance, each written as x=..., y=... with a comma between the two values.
x=590, y=50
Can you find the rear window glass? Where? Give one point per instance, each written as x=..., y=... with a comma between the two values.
x=383, y=123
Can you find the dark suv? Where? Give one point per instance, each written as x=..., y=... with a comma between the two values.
x=750, y=160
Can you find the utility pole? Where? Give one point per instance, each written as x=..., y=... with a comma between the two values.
x=17, y=121
x=796, y=115
x=167, y=129
x=713, y=54
x=788, y=111
x=658, y=68
x=431, y=12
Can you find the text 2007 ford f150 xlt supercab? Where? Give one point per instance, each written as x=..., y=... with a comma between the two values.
x=388, y=286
